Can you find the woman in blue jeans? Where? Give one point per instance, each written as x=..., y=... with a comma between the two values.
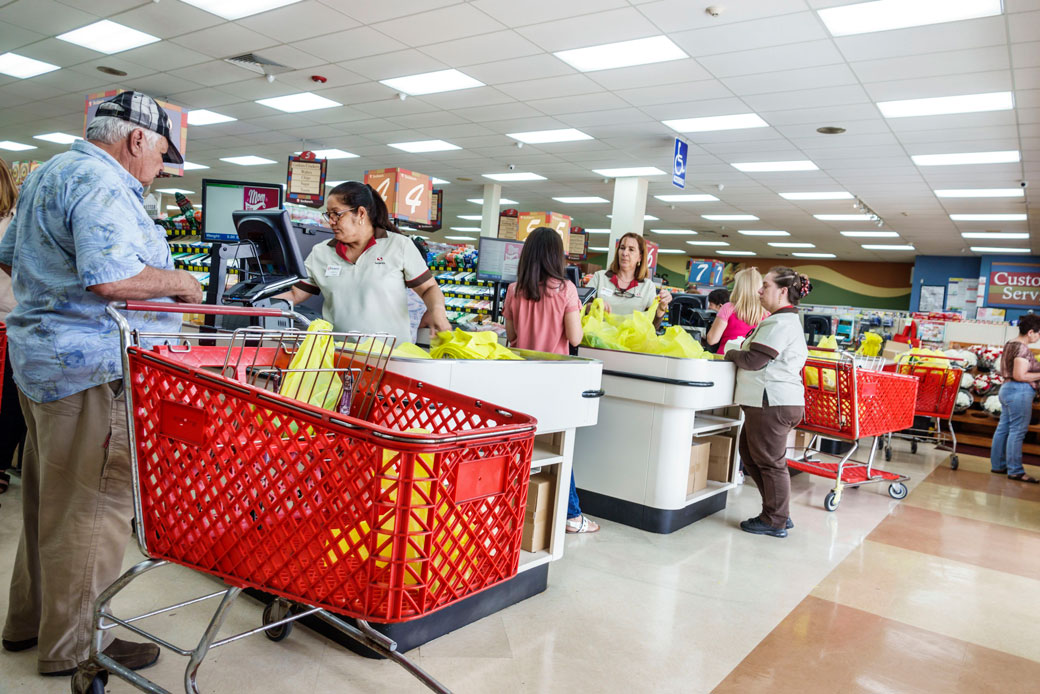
x=1021, y=372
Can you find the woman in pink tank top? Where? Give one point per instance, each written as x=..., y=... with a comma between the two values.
x=742, y=313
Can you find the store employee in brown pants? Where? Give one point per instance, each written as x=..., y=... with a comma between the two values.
x=770, y=393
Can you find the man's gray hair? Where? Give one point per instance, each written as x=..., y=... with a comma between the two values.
x=110, y=130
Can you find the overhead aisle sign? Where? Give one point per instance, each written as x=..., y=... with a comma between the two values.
x=679, y=164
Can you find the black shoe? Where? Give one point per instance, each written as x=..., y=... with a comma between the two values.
x=760, y=527
x=129, y=654
x=789, y=524
x=23, y=645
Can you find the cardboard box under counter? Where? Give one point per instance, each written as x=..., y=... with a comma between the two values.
x=700, y=455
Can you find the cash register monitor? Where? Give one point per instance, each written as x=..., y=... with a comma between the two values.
x=221, y=198
x=278, y=263
x=498, y=259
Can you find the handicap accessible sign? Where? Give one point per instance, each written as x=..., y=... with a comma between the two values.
x=679, y=164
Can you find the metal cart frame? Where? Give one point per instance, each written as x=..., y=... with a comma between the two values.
x=936, y=397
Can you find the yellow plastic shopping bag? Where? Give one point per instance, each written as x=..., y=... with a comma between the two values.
x=830, y=376
x=405, y=349
x=870, y=346
x=462, y=344
x=311, y=375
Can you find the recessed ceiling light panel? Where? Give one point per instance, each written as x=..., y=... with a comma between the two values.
x=188, y=166
x=836, y=195
x=629, y=172
x=432, y=82
x=999, y=249
x=423, y=146
x=201, y=116
x=1005, y=157
x=996, y=235
x=58, y=138
x=989, y=217
x=515, y=176
x=15, y=146
x=656, y=49
x=107, y=37
x=885, y=15
x=763, y=232
x=771, y=166
x=541, y=137
x=19, y=66
x=981, y=193
x=582, y=200
x=687, y=197
x=730, y=217
x=236, y=9
x=791, y=244
x=675, y=232
x=942, y=105
x=248, y=160
x=501, y=201
x=813, y=255
x=739, y=121
x=708, y=243
x=736, y=252
x=886, y=247
x=870, y=234
x=298, y=103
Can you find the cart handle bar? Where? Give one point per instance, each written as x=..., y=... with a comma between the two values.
x=211, y=309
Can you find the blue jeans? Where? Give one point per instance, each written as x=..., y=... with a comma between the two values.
x=1016, y=409
x=573, y=508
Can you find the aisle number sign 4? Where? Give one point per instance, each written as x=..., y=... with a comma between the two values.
x=408, y=195
x=679, y=163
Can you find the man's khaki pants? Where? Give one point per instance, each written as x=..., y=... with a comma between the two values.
x=76, y=509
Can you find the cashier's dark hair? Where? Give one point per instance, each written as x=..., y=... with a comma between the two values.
x=798, y=285
x=355, y=194
x=540, y=260
x=1028, y=322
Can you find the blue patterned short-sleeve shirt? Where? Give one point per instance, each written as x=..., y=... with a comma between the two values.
x=80, y=222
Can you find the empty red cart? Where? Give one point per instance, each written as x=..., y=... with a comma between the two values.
x=940, y=380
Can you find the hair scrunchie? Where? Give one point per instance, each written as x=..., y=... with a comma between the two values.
x=806, y=286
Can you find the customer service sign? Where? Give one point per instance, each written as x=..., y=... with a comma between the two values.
x=1013, y=284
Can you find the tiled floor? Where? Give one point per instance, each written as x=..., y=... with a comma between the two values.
x=934, y=593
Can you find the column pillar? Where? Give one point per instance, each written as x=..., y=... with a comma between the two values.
x=629, y=210
x=489, y=220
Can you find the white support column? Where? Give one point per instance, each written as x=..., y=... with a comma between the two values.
x=489, y=220
x=629, y=210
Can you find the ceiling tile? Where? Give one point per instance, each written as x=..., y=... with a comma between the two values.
x=476, y=49
x=670, y=72
x=58, y=52
x=936, y=38
x=225, y=40
x=517, y=14
x=468, y=98
x=161, y=85
x=759, y=33
x=154, y=18
x=807, y=98
x=805, y=78
x=46, y=17
x=790, y=57
x=946, y=85
x=215, y=72
x=666, y=94
x=397, y=64
x=371, y=12
x=680, y=15
x=351, y=44
x=445, y=24
x=500, y=112
x=590, y=30
x=337, y=76
x=577, y=104
x=11, y=37
x=104, y=8
x=302, y=20
x=519, y=69
x=985, y=59
x=551, y=87
x=164, y=56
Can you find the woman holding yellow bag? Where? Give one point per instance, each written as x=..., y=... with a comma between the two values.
x=626, y=287
x=771, y=395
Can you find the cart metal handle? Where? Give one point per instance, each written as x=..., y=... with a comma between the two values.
x=661, y=379
x=211, y=309
x=593, y=393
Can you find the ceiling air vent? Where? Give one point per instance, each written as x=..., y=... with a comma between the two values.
x=258, y=64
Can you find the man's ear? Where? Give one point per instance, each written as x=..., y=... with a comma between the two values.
x=136, y=141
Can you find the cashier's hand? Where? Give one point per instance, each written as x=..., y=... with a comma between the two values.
x=190, y=291
x=436, y=323
x=665, y=298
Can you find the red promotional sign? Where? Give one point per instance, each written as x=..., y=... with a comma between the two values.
x=1013, y=284
x=651, y=257
x=254, y=198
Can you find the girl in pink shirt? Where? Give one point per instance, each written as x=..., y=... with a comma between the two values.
x=543, y=313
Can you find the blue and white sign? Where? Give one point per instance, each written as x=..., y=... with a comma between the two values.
x=679, y=164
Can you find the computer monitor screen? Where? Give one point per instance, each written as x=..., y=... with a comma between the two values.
x=221, y=198
x=574, y=275
x=271, y=234
x=498, y=259
x=844, y=328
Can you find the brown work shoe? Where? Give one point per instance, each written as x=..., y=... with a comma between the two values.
x=129, y=654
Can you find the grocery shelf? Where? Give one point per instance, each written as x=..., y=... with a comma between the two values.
x=712, y=489
x=710, y=423
x=529, y=560
x=543, y=455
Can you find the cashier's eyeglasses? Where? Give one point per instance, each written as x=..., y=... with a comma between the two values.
x=332, y=217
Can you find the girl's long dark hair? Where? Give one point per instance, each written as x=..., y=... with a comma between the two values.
x=541, y=260
x=355, y=194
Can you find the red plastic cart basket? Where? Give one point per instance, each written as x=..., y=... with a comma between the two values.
x=936, y=397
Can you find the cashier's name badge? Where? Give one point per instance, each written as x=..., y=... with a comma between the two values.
x=332, y=270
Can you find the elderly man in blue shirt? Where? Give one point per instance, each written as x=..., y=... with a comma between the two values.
x=80, y=239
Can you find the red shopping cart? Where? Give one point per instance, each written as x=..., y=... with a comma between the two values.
x=936, y=397
x=401, y=500
x=850, y=398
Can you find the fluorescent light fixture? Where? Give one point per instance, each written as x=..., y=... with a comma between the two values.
x=942, y=105
x=332, y=184
x=597, y=231
x=439, y=181
x=842, y=217
x=629, y=172
x=656, y=49
x=870, y=234
x=541, y=137
x=730, y=217
x=514, y=177
x=432, y=82
x=675, y=232
x=670, y=251
x=1005, y=157
x=236, y=9
x=736, y=252
x=708, y=243
x=599, y=249
x=465, y=228
x=768, y=166
x=21, y=67
x=188, y=166
x=646, y=218
x=738, y=121
x=107, y=37
x=422, y=146
x=814, y=255
x=996, y=235
x=885, y=15
x=171, y=191
x=248, y=160
x=331, y=154
x=989, y=217
x=791, y=244
x=201, y=116
x=998, y=249
x=687, y=197
x=886, y=247
x=838, y=195
x=762, y=232
x=586, y=200
x=501, y=201
x=471, y=217
x=980, y=193
x=460, y=238
x=58, y=138
x=15, y=146
x=297, y=103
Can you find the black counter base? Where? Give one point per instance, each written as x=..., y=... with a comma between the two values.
x=409, y=635
x=654, y=520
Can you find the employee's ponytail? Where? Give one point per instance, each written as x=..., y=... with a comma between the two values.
x=356, y=194
x=797, y=285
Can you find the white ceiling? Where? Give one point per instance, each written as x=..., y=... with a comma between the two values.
x=772, y=57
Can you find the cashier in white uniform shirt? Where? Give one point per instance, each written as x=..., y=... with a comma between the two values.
x=625, y=287
x=363, y=275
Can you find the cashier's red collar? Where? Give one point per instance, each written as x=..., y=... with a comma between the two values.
x=617, y=283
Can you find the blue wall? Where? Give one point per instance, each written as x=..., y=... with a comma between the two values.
x=938, y=269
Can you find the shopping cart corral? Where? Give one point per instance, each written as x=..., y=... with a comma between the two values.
x=850, y=398
x=939, y=379
x=401, y=500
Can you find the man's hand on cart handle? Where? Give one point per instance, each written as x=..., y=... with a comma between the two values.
x=192, y=290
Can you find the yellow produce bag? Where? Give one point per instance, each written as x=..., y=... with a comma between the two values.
x=830, y=376
x=676, y=342
x=635, y=332
x=317, y=351
x=870, y=346
x=462, y=344
x=405, y=349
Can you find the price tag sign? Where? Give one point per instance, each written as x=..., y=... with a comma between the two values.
x=305, y=180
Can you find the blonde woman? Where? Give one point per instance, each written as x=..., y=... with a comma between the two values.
x=742, y=312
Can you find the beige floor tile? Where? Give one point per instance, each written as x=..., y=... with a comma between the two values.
x=977, y=505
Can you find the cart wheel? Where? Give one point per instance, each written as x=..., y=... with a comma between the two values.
x=94, y=685
x=274, y=612
x=954, y=462
x=830, y=502
x=888, y=453
x=897, y=490
x=913, y=445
